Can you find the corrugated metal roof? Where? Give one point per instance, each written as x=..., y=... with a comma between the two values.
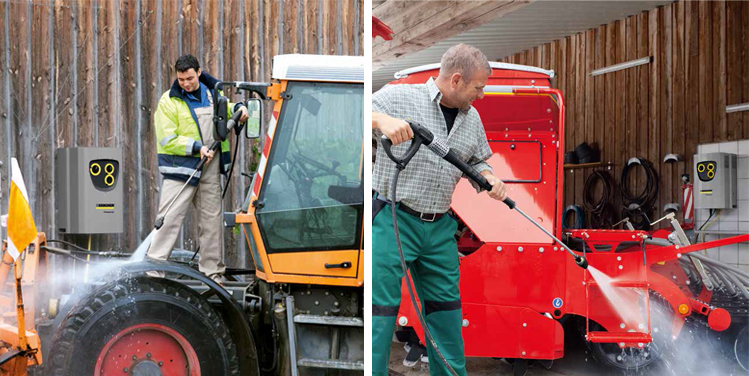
x=535, y=24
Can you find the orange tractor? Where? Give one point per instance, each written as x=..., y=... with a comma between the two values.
x=299, y=311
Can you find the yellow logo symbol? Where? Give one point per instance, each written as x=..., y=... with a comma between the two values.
x=95, y=169
x=109, y=178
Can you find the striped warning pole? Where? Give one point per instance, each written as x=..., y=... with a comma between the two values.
x=264, y=157
x=688, y=191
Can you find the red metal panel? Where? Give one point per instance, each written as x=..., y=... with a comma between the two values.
x=511, y=332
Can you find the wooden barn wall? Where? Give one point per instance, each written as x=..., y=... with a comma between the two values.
x=89, y=73
x=700, y=64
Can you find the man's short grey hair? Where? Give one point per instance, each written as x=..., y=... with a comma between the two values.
x=464, y=59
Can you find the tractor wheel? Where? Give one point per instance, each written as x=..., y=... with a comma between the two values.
x=143, y=326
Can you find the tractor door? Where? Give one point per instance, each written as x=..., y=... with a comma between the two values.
x=312, y=195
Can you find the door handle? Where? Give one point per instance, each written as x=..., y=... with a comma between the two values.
x=343, y=265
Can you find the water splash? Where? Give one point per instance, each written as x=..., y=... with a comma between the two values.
x=140, y=252
x=623, y=300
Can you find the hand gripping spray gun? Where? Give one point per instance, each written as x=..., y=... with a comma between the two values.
x=423, y=136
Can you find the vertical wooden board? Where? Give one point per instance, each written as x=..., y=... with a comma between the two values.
x=192, y=31
x=643, y=86
x=360, y=30
x=720, y=126
x=130, y=170
x=19, y=83
x=313, y=26
x=332, y=34
x=705, y=73
x=5, y=109
x=212, y=35
x=632, y=114
x=251, y=25
x=745, y=66
x=734, y=68
x=607, y=142
x=579, y=59
x=86, y=78
x=599, y=87
x=276, y=20
x=41, y=74
x=571, y=117
x=618, y=147
x=152, y=28
x=107, y=110
x=691, y=83
x=346, y=22
x=654, y=139
x=291, y=22
x=679, y=76
x=665, y=85
x=546, y=63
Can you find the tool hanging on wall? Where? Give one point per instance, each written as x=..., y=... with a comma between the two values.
x=601, y=212
x=639, y=207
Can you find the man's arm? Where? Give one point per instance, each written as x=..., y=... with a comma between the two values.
x=165, y=126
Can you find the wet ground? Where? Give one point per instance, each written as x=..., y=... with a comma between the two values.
x=701, y=359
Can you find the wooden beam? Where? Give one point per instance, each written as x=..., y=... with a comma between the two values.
x=419, y=24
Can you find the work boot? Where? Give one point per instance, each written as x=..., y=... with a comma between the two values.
x=217, y=278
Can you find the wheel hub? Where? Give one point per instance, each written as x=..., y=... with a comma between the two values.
x=147, y=368
x=147, y=350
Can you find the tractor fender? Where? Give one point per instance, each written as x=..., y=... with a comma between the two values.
x=673, y=295
x=249, y=364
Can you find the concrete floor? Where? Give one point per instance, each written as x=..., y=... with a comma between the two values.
x=577, y=362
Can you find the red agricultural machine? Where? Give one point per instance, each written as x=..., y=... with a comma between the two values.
x=642, y=288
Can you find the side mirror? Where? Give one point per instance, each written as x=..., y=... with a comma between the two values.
x=255, y=120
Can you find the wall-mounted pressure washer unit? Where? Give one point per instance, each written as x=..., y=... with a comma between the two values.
x=715, y=181
x=89, y=190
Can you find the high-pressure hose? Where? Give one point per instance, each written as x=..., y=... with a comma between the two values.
x=423, y=136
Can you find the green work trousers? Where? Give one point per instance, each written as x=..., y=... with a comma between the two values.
x=431, y=253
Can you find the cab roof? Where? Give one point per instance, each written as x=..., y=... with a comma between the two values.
x=328, y=68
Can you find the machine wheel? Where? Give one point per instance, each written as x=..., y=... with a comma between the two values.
x=630, y=359
x=143, y=326
x=741, y=348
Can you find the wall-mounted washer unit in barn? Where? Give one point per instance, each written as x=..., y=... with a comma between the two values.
x=88, y=190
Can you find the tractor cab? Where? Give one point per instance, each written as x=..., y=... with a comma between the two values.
x=306, y=202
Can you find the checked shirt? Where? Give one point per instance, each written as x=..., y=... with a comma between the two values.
x=427, y=183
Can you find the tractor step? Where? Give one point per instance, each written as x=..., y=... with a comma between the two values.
x=634, y=284
x=329, y=320
x=619, y=337
x=330, y=364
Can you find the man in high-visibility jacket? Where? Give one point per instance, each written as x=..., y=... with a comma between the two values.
x=184, y=132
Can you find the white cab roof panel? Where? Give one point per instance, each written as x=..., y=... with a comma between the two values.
x=330, y=68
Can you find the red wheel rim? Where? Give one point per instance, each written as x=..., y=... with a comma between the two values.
x=154, y=343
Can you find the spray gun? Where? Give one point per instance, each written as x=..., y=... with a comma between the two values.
x=423, y=136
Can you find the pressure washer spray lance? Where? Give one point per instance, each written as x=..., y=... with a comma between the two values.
x=423, y=136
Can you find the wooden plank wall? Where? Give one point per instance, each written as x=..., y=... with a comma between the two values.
x=700, y=64
x=90, y=73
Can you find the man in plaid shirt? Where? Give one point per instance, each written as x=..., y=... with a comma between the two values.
x=424, y=193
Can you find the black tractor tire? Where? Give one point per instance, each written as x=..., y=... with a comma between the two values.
x=96, y=321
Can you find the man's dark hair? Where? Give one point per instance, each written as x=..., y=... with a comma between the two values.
x=185, y=62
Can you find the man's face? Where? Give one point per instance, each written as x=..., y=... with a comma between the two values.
x=188, y=80
x=466, y=92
